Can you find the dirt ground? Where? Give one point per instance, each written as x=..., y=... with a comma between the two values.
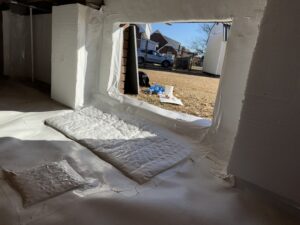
x=198, y=93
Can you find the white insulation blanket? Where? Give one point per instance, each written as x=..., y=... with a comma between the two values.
x=136, y=151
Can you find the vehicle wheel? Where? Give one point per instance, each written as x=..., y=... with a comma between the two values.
x=166, y=64
x=141, y=60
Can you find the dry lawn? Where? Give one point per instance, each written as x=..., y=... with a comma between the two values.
x=198, y=93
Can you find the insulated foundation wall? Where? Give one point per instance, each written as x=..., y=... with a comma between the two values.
x=267, y=145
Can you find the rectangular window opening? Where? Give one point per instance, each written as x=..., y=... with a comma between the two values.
x=179, y=64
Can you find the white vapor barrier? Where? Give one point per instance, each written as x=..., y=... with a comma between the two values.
x=184, y=194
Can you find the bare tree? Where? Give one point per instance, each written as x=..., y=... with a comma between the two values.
x=199, y=44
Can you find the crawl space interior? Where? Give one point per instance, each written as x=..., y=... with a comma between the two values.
x=75, y=150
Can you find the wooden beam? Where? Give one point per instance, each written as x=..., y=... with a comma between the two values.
x=45, y=6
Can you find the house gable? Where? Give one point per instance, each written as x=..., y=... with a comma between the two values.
x=159, y=38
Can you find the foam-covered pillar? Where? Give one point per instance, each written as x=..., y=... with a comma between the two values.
x=266, y=150
x=68, y=54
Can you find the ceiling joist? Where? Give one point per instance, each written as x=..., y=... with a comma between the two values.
x=43, y=6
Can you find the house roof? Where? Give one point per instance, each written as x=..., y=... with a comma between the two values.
x=170, y=42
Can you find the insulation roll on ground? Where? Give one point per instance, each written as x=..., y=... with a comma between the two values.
x=137, y=152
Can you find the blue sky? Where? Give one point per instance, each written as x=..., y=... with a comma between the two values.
x=185, y=33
